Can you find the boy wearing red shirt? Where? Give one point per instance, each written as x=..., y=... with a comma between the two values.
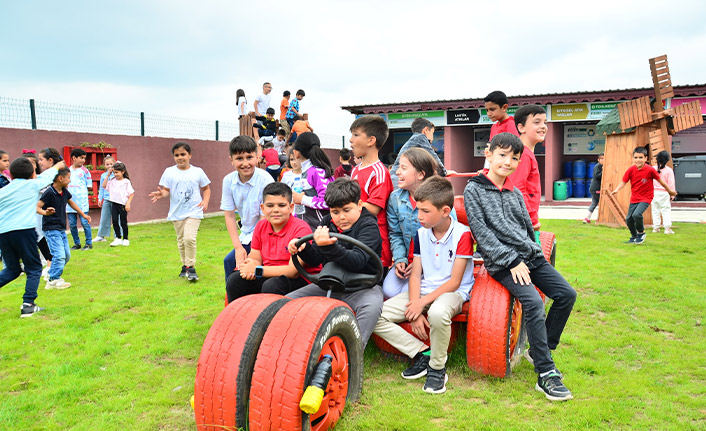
x=642, y=191
x=496, y=105
x=531, y=122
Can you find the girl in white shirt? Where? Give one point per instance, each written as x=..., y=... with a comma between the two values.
x=120, y=193
x=661, y=203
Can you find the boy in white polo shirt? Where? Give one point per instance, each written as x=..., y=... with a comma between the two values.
x=440, y=282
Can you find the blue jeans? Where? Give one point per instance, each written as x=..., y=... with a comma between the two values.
x=60, y=251
x=19, y=245
x=104, y=226
x=229, y=261
x=73, y=225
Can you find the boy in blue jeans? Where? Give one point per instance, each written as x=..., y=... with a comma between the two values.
x=504, y=231
x=18, y=237
x=79, y=185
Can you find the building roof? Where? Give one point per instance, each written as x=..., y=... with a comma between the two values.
x=610, y=124
x=537, y=99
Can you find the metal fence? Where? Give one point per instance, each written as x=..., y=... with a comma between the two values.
x=31, y=114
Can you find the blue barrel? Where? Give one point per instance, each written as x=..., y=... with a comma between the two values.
x=579, y=169
x=579, y=187
x=589, y=173
x=569, y=187
x=588, y=188
x=568, y=171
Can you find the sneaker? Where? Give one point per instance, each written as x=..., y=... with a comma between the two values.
x=420, y=364
x=531, y=361
x=116, y=242
x=59, y=283
x=87, y=247
x=76, y=247
x=45, y=273
x=98, y=239
x=631, y=240
x=28, y=310
x=656, y=229
x=586, y=221
x=191, y=274
x=640, y=238
x=436, y=381
x=668, y=231
x=552, y=387
x=126, y=242
x=183, y=271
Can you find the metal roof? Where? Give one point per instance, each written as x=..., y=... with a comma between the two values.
x=539, y=99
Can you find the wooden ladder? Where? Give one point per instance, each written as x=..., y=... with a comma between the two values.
x=613, y=206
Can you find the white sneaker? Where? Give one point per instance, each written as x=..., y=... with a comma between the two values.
x=668, y=231
x=45, y=273
x=126, y=242
x=98, y=239
x=655, y=229
x=59, y=283
x=116, y=241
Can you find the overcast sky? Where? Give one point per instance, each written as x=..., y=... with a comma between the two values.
x=187, y=58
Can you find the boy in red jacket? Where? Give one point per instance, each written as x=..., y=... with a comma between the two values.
x=531, y=122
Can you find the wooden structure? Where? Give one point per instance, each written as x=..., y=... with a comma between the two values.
x=642, y=122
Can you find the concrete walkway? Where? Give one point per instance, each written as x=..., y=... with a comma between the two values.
x=575, y=209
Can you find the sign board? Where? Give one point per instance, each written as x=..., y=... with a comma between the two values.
x=481, y=137
x=690, y=140
x=581, y=111
x=582, y=140
x=404, y=119
x=462, y=116
x=682, y=100
x=400, y=138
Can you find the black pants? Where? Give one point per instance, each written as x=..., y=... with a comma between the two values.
x=119, y=216
x=634, y=218
x=595, y=198
x=237, y=287
x=543, y=334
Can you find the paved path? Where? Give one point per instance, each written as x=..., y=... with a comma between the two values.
x=575, y=209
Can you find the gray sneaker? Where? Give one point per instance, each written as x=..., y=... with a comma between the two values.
x=420, y=364
x=640, y=238
x=436, y=381
x=28, y=310
x=552, y=387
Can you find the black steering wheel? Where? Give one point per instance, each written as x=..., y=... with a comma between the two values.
x=333, y=277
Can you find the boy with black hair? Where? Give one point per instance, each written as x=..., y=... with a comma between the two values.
x=440, y=282
x=368, y=135
x=284, y=106
x=640, y=176
x=422, y=137
x=268, y=267
x=267, y=128
x=18, y=237
x=271, y=158
x=348, y=216
x=345, y=169
x=531, y=122
x=280, y=142
x=293, y=111
x=79, y=186
x=242, y=192
x=496, y=105
x=501, y=225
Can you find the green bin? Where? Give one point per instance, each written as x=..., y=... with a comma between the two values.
x=560, y=190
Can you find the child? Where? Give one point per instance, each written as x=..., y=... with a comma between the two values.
x=104, y=202
x=293, y=178
x=18, y=237
x=284, y=106
x=595, y=188
x=268, y=267
x=46, y=159
x=120, y=194
x=242, y=192
x=79, y=185
x=501, y=225
x=641, y=193
x=349, y=217
x=4, y=166
x=438, y=286
x=184, y=183
x=293, y=110
x=316, y=169
x=661, y=202
x=496, y=105
x=368, y=135
x=345, y=169
x=422, y=137
x=280, y=143
x=244, y=121
x=300, y=126
x=272, y=164
x=268, y=127
x=52, y=206
x=531, y=122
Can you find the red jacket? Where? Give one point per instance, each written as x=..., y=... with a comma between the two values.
x=526, y=178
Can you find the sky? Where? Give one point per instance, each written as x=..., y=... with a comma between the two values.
x=187, y=59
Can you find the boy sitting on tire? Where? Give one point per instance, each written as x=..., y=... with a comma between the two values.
x=347, y=217
x=501, y=225
x=440, y=282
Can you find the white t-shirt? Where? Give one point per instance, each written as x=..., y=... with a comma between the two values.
x=184, y=191
x=263, y=102
x=246, y=199
x=243, y=111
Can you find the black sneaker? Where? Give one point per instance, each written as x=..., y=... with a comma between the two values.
x=631, y=240
x=528, y=356
x=87, y=247
x=418, y=369
x=436, y=381
x=640, y=238
x=191, y=274
x=552, y=387
x=183, y=271
x=76, y=247
x=28, y=310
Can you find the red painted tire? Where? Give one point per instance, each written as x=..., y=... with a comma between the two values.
x=396, y=355
x=300, y=334
x=224, y=371
x=548, y=241
x=496, y=336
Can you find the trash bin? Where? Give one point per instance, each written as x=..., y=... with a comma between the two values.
x=690, y=175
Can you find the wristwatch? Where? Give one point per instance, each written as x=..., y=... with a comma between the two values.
x=258, y=272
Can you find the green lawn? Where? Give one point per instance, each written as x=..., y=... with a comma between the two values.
x=118, y=350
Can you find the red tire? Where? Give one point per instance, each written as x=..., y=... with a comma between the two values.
x=496, y=336
x=224, y=371
x=548, y=241
x=395, y=354
x=300, y=334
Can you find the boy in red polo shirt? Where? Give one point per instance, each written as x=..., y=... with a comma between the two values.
x=531, y=122
x=496, y=105
x=268, y=267
x=642, y=191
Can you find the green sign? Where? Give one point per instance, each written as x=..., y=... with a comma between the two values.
x=404, y=119
x=581, y=111
x=404, y=115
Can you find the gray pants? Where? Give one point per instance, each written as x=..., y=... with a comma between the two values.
x=366, y=304
x=634, y=220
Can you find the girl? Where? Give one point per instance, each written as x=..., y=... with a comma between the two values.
x=104, y=202
x=243, y=117
x=4, y=166
x=46, y=159
x=293, y=178
x=661, y=202
x=120, y=194
x=316, y=168
x=416, y=165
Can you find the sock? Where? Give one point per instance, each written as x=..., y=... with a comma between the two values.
x=546, y=373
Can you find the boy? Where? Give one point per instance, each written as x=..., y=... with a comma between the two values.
x=368, y=135
x=496, y=105
x=52, y=205
x=438, y=286
x=184, y=184
x=268, y=267
x=531, y=122
x=18, y=237
x=78, y=187
x=279, y=142
x=344, y=171
x=284, y=106
x=242, y=192
x=301, y=125
x=268, y=126
x=422, y=137
x=595, y=188
x=272, y=164
x=293, y=110
x=501, y=225
x=640, y=176
x=349, y=217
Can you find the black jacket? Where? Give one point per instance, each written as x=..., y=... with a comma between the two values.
x=597, y=176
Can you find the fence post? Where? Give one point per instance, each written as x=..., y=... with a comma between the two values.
x=343, y=141
x=216, y=130
x=33, y=112
x=142, y=124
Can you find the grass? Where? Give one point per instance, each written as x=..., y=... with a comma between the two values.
x=118, y=350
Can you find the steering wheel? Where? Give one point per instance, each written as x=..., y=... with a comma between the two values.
x=333, y=276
